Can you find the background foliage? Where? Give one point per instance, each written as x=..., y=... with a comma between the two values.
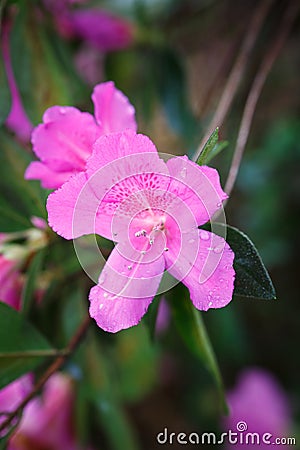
x=133, y=384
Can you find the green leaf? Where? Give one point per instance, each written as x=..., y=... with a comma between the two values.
x=5, y=103
x=101, y=391
x=212, y=148
x=151, y=316
x=30, y=285
x=252, y=278
x=190, y=325
x=17, y=337
x=22, y=199
x=173, y=93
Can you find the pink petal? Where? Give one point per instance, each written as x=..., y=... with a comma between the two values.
x=72, y=208
x=10, y=283
x=112, y=147
x=64, y=141
x=209, y=275
x=113, y=111
x=198, y=186
x=123, y=169
x=50, y=179
x=125, y=290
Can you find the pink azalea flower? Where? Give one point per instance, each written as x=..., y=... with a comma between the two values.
x=152, y=209
x=47, y=420
x=11, y=282
x=64, y=140
x=260, y=402
x=17, y=120
x=12, y=394
x=101, y=29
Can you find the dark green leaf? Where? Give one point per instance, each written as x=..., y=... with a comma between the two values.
x=17, y=336
x=20, y=199
x=252, y=278
x=190, y=325
x=30, y=285
x=173, y=94
x=151, y=316
x=212, y=148
x=5, y=103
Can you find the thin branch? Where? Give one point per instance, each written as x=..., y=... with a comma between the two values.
x=56, y=365
x=237, y=71
x=256, y=88
x=34, y=353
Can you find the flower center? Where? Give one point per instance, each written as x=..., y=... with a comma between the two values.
x=148, y=227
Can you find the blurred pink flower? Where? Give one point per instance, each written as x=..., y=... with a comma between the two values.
x=64, y=140
x=12, y=394
x=258, y=400
x=152, y=209
x=102, y=29
x=47, y=421
x=11, y=282
x=17, y=120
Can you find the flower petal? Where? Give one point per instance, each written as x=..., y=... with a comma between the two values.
x=113, y=111
x=65, y=139
x=112, y=147
x=72, y=208
x=125, y=290
x=198, y=186
x=49, y=178
x=210, y=276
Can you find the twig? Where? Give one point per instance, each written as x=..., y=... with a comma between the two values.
x=256, y=88
x=56, y=365
x=237, y=71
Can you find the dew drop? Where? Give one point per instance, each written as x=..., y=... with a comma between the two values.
x=102, y=278
x=219, y=248
x=219, y=204
x=105, y=295
x=129, y=267
x=204, y=235
x=143, y=252
x=183, y=172
x=101, y=306
x=210, y=303
x=166, y=249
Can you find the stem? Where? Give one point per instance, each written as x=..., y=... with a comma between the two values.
x=255, y=91
x=237, y=71
x=56, y=365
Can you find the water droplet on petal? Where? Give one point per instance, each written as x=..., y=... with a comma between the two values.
x=129, y=267
x=105, y=295
x=101, y=306
x=102, y=278
x=219, y=204
x=219, y=248
x=204, y=235
x=210, y=303
x=183, y=172
x=166, y=249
